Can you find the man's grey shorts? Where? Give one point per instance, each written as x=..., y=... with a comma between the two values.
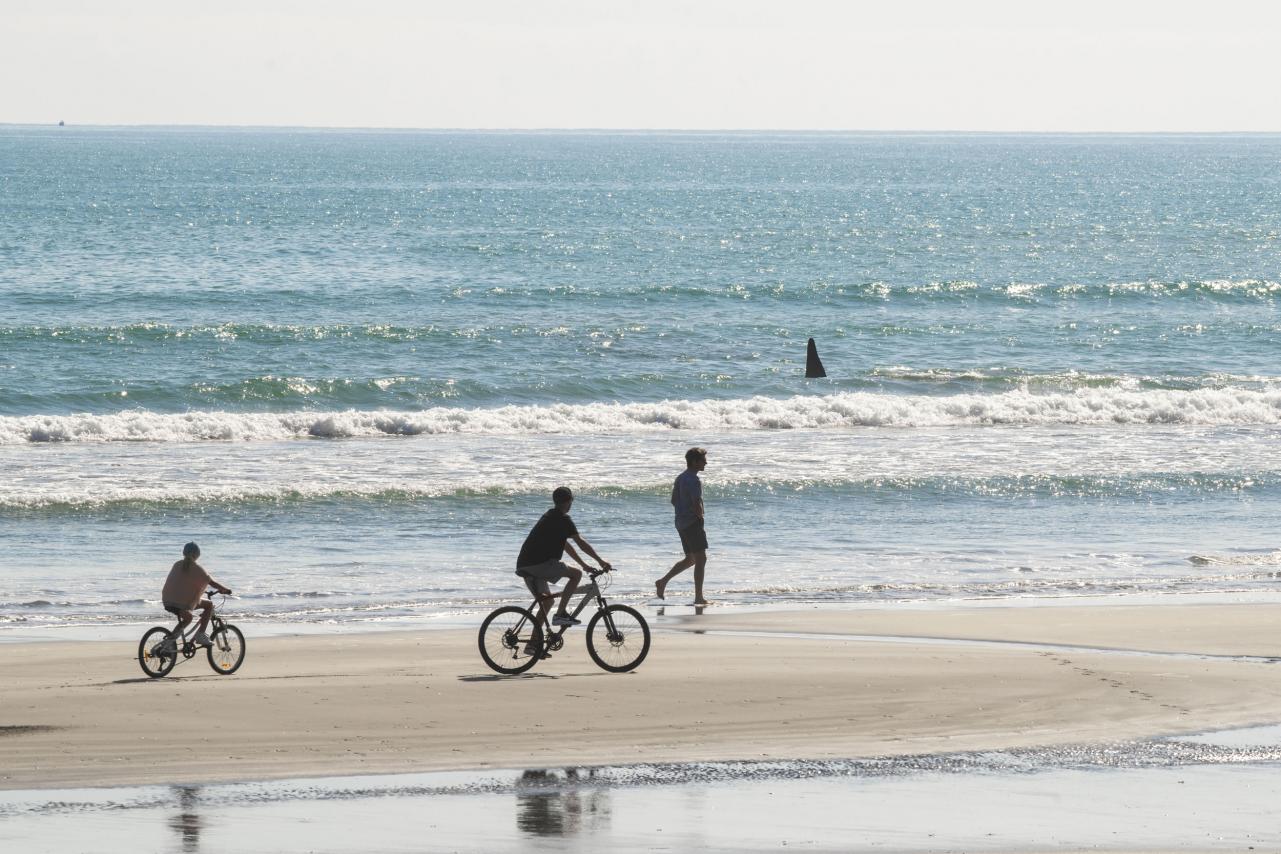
x=538, y=574
x=693, y=538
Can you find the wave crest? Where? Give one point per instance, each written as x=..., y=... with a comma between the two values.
x=1085, y=406
x=161, y=497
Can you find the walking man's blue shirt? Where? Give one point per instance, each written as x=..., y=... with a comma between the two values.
x=687, y=497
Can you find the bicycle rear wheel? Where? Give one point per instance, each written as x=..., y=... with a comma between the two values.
x=154, y=661
x=618, y=638
x=226, y=650
x=505, y=636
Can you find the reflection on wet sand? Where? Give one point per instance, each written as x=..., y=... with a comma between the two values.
x=187, y=823
x=1160, y=794
x=661, y=611
x=557, y=803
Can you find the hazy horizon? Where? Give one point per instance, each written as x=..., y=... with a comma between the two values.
x=647, y=130
x=993, y=66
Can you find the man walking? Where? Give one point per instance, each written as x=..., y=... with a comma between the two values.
x=687, y=498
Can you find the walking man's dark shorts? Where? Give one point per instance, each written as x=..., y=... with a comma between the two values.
x=693, y=538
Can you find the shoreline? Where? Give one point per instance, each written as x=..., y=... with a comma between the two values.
x=811, y=684
x=655, y=611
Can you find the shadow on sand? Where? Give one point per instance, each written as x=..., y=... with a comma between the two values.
x=498, y=677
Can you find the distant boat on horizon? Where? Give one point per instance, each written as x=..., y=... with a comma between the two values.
x=61, y=123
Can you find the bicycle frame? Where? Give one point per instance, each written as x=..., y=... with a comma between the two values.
x=182, y=636
x=590, y=590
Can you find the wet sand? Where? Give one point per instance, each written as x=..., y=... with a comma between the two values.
x=719, y=686
x=1183, y=794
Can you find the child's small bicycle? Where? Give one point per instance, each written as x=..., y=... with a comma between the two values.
x=512, y=640
x=160, y=648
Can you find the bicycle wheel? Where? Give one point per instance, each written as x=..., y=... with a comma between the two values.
x=155, y=663
x=504, y=637
x=226, y=650
x=618, y=638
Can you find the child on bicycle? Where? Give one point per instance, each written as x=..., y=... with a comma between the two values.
x=184, y=592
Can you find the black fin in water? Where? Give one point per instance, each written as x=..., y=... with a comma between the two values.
x=813, y=366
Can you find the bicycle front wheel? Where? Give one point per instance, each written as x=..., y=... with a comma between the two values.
x=155, y=660
x=510, y=640
x=226, y=649
x=618, y=638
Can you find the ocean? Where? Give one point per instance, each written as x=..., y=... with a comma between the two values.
x=353, y=365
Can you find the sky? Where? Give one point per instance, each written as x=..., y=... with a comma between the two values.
x=966, y=65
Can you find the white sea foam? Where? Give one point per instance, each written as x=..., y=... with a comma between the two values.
x=1267, y=559
x=1089, y=406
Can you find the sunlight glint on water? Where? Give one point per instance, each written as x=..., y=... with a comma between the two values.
x=352, y=365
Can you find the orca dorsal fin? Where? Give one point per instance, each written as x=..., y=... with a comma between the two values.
x=813, y=365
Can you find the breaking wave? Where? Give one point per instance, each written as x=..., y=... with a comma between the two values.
x=1083, y=407
x=291, y=492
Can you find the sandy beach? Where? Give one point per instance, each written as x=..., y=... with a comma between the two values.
x=733, y=685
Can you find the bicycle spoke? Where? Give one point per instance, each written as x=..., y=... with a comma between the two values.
x=510, y=641
x=154, y=657
x=227, y=651
x=618, y=638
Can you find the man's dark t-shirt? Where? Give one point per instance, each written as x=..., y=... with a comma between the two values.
x=546, y=540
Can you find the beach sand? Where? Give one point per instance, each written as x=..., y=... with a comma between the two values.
x=728, y=685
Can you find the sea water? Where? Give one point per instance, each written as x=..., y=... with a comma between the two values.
x=353, y=365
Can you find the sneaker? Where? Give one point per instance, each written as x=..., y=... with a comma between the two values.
x=201, y=639
x=565, y=620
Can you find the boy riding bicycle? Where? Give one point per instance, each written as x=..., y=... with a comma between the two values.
x=184, y=592
x=540, y=558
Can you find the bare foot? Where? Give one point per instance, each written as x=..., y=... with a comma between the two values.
x=659, y=587
x=701, y=602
